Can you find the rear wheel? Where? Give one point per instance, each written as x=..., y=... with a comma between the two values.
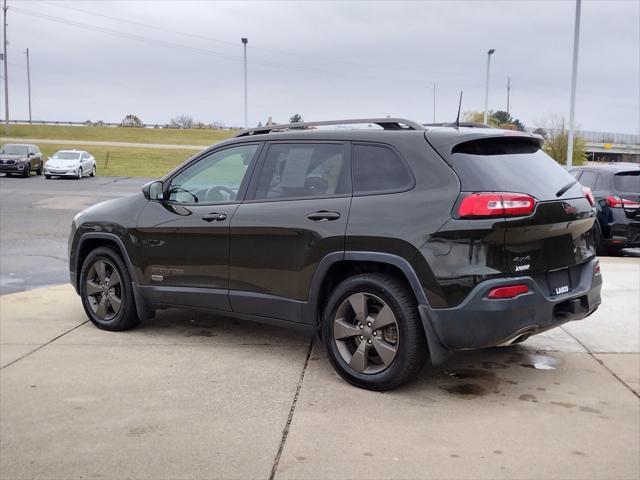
x=372, y=332
x=106, y=292
x=93, y=171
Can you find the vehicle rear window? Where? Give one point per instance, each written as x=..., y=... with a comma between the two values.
x=510, y=165
x=627, y=181
x=377, y=168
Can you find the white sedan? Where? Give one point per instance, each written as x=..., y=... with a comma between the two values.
x=70, y=163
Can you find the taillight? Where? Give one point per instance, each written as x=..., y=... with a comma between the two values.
x=492, y=204
x=615, y=201
x=508, y=292
x=586, y=191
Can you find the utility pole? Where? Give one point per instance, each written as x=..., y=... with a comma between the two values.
x=574, y=75
x=29, y=84
x=434, y=103
x=6, y=78
x=486, y=92
x=508, y=92
x=244, y=45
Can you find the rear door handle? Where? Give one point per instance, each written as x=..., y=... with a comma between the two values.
x=323, y=215
x=215, y=217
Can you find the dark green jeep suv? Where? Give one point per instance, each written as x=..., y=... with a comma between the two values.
x=395, y=242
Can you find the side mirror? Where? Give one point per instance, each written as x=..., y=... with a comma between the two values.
x=153, y=190
x=31, y=154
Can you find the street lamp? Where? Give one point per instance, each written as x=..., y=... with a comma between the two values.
x=574, y=77
x=244, y=46
x=486, y=91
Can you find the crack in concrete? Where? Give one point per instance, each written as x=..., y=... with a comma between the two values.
x=285, y=431
x=42, y=346
x=601, y=362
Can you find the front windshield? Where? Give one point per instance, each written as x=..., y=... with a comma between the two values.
x=15, y=150
x=67, y=155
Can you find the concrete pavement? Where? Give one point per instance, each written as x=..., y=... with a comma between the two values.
x=190, y=395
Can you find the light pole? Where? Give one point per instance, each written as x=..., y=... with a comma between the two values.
x=6, y=78
x=434, y=103
x=28, y=83
x=574, y=75
x=486, y=91
x=244, y=45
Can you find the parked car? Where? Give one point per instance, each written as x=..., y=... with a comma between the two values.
x=20, y=158
x=70, y=163
x=616, y=188
x=396, y=245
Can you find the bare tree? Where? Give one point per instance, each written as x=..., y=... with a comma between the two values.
x=182, y=121
x=131, y=120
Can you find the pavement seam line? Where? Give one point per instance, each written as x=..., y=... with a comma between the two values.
x=42, y=346
x=285, y=430
x=602, y=363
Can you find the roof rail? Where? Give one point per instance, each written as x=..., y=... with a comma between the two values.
x=462, y=124
x=385, y=123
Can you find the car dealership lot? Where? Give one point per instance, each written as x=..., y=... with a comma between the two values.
x=190, y=395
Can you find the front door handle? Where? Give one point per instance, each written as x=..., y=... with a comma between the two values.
x=215, y=217
x=323, y=215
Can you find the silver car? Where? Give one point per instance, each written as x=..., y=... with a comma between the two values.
x=70, y=163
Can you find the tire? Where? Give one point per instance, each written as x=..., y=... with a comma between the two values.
x=601, y=248
x=48, y=177
x=27, y=171
x=93, y=172
x=79, y=173
x=97, y=271
x=380, y=292
x=39, y=169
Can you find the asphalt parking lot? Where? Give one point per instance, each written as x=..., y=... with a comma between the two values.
x=189, y=395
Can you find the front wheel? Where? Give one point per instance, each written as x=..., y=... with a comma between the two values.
x=27, y=170
x=372, y=332
x=106, y=291
x=79, y=173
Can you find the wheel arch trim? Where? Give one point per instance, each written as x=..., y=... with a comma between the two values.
x=142, y=308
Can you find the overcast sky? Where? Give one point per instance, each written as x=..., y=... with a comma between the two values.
x=323, y=59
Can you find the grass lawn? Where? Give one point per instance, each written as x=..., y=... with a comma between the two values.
x=128, y=162
x=121, y=134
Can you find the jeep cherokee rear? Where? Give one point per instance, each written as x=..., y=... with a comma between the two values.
x=395, y=244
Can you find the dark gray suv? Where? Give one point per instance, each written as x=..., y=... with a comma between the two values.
x=397, y=243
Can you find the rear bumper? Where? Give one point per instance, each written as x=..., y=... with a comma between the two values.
x=624, y=235
x=480, y=322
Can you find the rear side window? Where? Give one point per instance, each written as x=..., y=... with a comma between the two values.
x=627, y=182
x=294, y=170
x=377, y=168
x=588, y=179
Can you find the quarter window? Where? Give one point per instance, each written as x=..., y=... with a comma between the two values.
x=215, y=178
x=303, y=170
x=588, y=179
x=377, y=168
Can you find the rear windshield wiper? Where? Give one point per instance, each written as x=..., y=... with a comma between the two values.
x=564, y=189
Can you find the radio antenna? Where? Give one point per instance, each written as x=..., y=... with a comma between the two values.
x=459, y=106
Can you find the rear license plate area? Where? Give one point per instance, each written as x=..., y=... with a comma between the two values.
x=559, y=281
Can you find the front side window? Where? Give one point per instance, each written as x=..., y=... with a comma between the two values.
x=377, y=168
x=303, y=170
x=215, y=178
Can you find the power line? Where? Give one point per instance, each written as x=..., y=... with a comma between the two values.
x=265, y=49
x=203, y=51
